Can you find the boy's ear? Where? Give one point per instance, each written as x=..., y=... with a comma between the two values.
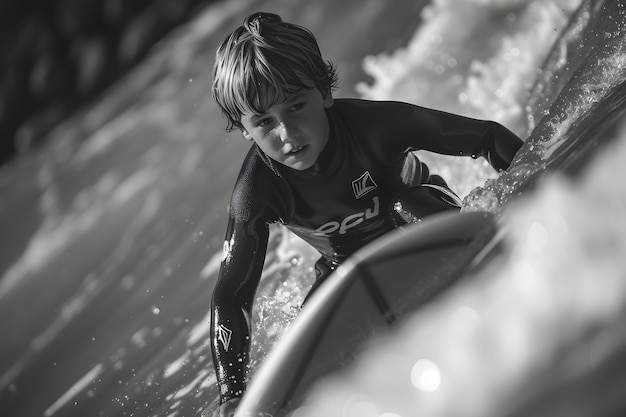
x=246, y=134
x=328, y=100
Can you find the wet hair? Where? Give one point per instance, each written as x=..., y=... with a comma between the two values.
x=262, y=62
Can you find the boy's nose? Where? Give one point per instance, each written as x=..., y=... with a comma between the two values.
x=283, y=133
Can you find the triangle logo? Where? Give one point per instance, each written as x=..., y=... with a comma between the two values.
x=223, y=335
x=363, y=185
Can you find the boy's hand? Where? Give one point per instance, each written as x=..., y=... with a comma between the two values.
x=227, y=409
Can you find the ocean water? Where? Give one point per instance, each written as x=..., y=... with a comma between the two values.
x=115, y=228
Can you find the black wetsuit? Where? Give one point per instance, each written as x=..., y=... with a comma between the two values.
x=341, y=203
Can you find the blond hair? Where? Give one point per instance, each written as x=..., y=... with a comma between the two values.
x=263, y=61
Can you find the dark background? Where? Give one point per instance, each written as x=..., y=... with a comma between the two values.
x=56, y=55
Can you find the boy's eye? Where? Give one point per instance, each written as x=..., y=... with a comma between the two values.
x=297, y=106
x=264, y=122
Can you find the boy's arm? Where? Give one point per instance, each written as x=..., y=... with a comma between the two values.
x=242, y=264
x=414, y=128
x=499, y=145
x=453, y=134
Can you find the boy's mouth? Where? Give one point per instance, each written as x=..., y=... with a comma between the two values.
x=296, y=150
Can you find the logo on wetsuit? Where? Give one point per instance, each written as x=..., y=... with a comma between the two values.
x=223, y=335
x=361, y=186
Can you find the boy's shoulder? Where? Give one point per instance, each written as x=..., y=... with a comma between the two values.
x=375, y=119
x=257, y=188
x=254, y=170
x=356, y=104
x=371, y=110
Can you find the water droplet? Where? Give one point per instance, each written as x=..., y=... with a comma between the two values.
x=425, y=376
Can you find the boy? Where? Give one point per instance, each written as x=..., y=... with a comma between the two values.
x=338, y=173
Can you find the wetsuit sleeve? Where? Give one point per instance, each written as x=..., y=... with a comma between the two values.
x=257, y=201
x=409, y=127
x=240, y=272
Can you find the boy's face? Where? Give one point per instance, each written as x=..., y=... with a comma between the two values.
x=292, y=132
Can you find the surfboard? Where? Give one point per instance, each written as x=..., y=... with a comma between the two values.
x=376, y=287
